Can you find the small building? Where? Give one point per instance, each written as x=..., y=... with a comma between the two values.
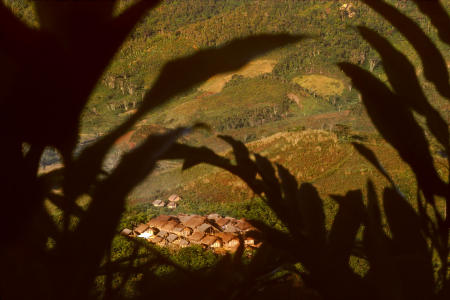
x=158, y=203
x=183, y=217
x=163, y=243
x=181, y=242
x=195, y=221
x=156, y=240
x=172, y=237
x=206, y=228
x=230, y=228
x=196, y=237
x=221, y=222
x=163, y=234
x=229, y=240
x=249, y=241
x=160, y=221
x=174, y=198
x=211, y=241
x=152, y=231
x=187, y=231
x=172, y=205
x=243, y=225
x=178, y=228
x=213, y=216
x=126, y=232
x=170, y=225
x=141, y=229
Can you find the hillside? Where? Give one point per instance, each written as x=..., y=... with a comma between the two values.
x=278, y=95
x=179, y=28
x=285, y=92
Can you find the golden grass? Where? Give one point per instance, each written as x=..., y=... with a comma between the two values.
x=320, y=84
x=216, y=83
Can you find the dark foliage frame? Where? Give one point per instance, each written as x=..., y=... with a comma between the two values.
x=43, y=97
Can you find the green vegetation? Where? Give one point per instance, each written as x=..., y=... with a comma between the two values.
x=179, y=28
x=321, y=85
x=314, y=194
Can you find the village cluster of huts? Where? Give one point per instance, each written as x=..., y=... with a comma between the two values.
x=212, y=231
x=172, y=203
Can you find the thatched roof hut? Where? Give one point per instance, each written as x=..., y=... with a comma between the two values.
x=229, y=240
x=213, y=216
x=187, y=231
x=174, y=198
x=170, y=225
x=172, y=205
x=178, y=228
x=163, y=234
x=158, y=203
x=172, y=237
x=249, y=241
x=183, y=217
x=141, y=228
x=181, y=242
x=221, y=222
x=211, y=241
x=126, y=232
x=196, y=237
x=195, y=221
x=156, y=240
x=160, y=221
x=243, y=225
x=162, y=243
x=230, y=228
x=152, y=230
x=206, y=228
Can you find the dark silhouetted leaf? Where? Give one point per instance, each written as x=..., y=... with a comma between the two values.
x=434, y=65
x=403, y=79
x=397, y=125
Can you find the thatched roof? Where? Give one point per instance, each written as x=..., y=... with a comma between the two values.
x=195, y=221
x=172, y=237
x=230, y=228
x=187, y=231
x=226, y=236
x=159, y=221
x=156, y=239
x=213, y=216
x=179, y=228
x=126, y=232
x=172, y=205
x=174, y=198
x=222, y=221
x=141, y=228
x=162, y=243
x=243, y=225
x=158, y=203
x=209, y=240
x=163, y=234
x=196, y=236
x=181, y=242
x=183, y=217
x=205, y=227
x=154, y=230
x=170, y=225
